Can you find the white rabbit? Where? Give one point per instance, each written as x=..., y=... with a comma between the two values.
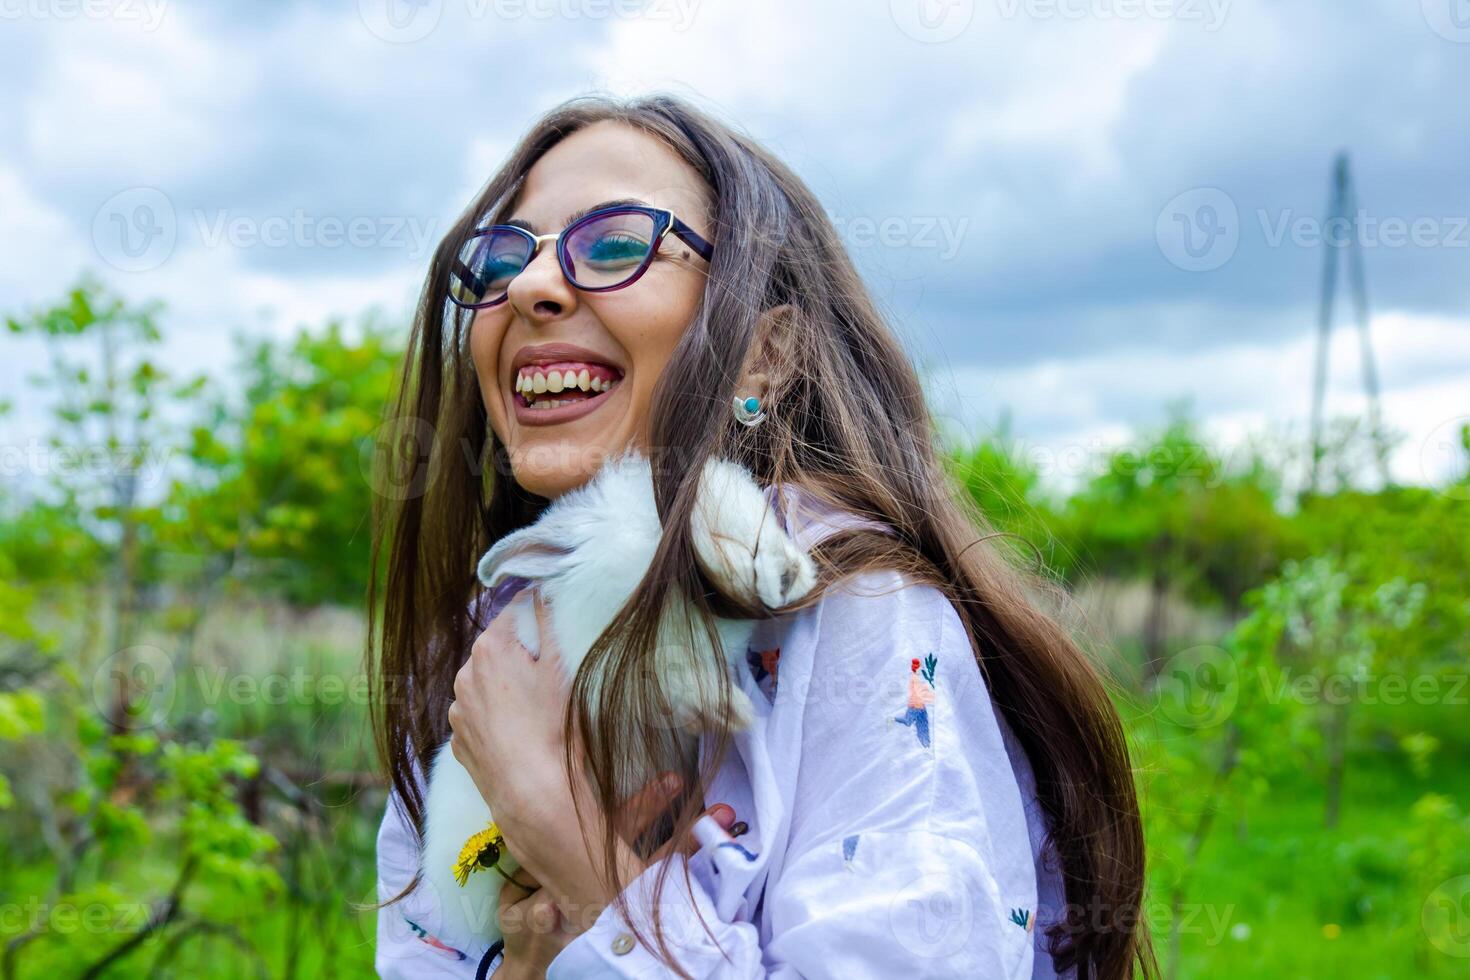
x=587, y=554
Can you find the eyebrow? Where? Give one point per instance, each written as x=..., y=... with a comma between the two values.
x=579, y=215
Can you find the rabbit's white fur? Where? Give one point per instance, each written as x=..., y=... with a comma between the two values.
x=587, y=554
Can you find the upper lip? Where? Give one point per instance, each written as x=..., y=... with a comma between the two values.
x=550, y=353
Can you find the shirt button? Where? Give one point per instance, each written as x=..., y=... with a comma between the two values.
x=738, y=827
x=623, y=944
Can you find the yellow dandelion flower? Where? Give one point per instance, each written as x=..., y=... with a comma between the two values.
x=482, y=850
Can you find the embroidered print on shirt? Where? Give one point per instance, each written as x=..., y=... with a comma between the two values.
x=921, y=695
x=432, y=941
x=764, y=664
x=731, y=844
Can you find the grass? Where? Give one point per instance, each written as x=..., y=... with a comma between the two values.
x=1273, y=893
x=1296, y=900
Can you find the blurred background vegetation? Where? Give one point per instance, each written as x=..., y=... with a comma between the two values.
x=187, y=786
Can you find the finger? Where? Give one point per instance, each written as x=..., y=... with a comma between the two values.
x=536, y=913
x=462, y=679
x=522, y=878
x=721, y=813
x=521, y=887
x=543, y=912
x=543, y=623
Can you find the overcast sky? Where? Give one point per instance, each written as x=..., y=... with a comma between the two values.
x=1074, y=210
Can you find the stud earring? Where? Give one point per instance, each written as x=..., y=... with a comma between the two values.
x=748, y=410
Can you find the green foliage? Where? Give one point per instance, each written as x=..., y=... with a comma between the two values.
x=1229, y=728
x=142, y=794
x=1167, y=507
x=20, y=716
x=214, y=832
x=227, y=837
x=146, y=826
x=1006, y=487
x=1415, y=533
x=277, y=492
x=1439, y=840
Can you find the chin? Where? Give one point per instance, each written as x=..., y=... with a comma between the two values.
x=543, y=483
x=550, y=470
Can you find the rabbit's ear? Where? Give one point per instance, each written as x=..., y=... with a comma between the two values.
x=531, y=552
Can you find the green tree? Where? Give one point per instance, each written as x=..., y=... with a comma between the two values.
x=1007, y=488
x=107, y=445
x=1167, y=509
x=279, y=495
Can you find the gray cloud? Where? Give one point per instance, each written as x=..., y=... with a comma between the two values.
x=1006, y=191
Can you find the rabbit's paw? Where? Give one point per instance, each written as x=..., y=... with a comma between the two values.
x=740, y=542
x=782, y=572
x=695, y=703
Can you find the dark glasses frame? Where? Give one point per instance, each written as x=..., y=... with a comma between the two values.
x=664, y=221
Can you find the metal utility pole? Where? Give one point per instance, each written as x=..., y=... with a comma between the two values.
x=1341, y=234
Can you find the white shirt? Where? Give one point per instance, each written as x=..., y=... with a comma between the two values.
x=892, y=822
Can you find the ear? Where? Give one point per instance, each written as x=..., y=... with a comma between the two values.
x=772, y=352
x=532, y=552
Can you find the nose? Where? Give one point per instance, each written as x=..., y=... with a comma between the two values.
x=540, y=293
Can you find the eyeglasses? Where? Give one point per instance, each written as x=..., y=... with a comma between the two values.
x=603, y=250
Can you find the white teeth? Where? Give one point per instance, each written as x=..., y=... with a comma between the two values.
x=536, y=383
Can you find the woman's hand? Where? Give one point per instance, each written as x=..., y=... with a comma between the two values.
x=507, y=719
x=533, y=928
x=533, y=924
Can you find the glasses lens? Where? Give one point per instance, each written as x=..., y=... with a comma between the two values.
x=608, y=249
x=485, y=265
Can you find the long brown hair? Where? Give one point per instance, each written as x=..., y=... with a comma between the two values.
x=851, y=426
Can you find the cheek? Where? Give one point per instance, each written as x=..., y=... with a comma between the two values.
x=487, y=333
x=650, y=328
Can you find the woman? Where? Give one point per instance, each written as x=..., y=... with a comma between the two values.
x=936, y=782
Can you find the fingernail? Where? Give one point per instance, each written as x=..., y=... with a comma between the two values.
x=723, y=814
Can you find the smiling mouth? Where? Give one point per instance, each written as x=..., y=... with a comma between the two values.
x=543, y=387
